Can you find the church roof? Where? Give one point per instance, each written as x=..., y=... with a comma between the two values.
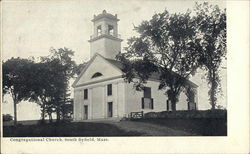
x=154, y=75
x=116, y=63
x=119, y=65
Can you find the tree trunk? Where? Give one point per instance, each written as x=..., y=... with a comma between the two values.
x=50, y=117
x=173, y=103
x=15, y=112
x=57, y=115
x=212, y=79
x=212, y=97
x=43, y=113
x=63, y=114
x=172, y=96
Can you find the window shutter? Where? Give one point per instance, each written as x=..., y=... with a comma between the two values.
x=142, y=103
x=152, y=103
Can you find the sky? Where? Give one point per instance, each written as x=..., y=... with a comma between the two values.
x=31, y=28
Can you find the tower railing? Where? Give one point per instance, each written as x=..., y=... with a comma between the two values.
x=105, y=33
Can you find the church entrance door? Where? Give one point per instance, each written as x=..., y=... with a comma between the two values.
x=85, y=115
x=110, y=109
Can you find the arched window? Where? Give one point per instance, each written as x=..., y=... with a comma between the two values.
x=110, y=30
x=97, y=74
x=99, y=30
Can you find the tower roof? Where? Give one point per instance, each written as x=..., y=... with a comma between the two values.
x=104, y=14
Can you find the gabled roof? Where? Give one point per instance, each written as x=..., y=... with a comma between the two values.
x=154, y=75
x=115, y=63
x=83, y=70
x=119, y=65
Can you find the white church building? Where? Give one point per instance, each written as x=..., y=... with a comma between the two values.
x=100, y=92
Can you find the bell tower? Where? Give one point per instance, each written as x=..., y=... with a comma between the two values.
x=105, y=40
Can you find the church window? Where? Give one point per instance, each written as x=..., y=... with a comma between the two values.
x=109, y=89
x=191, y=99
x=85, y=93
x=97, y=74
x=99, y=30
x=147, y=101
x=147, y=92
x=110, y=30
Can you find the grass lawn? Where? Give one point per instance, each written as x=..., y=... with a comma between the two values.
x=197, y=126
x=66, y=130
x=140, y=127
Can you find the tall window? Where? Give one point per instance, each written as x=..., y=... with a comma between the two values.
x=147, y=101
x=110, y=109
x=109, y=89
x=147, y=92
x=191, y=99
x=99, y=30
x=85, y=93
x=110, y=30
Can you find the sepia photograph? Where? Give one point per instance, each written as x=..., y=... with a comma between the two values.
x=89, y=69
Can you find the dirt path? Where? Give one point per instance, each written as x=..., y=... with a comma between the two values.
x=148, y=129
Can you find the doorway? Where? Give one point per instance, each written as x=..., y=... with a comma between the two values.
x=110, y=109
x=85, y=114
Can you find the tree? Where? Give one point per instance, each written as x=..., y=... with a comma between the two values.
x=166, y=45
x=45, y=78
x=211, y=27
x=79, y=68
x=16, y=75
x=40, y=87
x=63, y=69
x=49, y=84
x=68, y=109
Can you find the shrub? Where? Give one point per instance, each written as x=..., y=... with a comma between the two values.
x=7, y=117
x=187, y=114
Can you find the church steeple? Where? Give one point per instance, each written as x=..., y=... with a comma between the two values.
x=105, y=40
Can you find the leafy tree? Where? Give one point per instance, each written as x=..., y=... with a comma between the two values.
x=78, y=68
x=63, y=68
x=68, y=109
x=49, y=84
x=166, y=46
x=16, y=75
x=211, y=30
x=45, y=84
x=40, y=87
